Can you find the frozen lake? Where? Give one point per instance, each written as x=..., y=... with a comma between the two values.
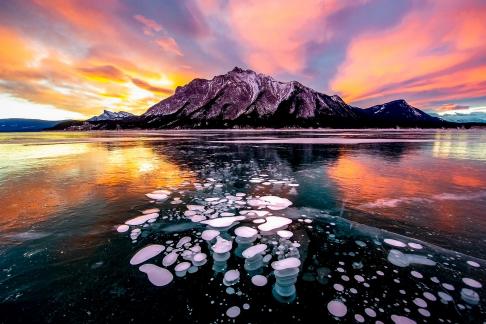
x=246, y=226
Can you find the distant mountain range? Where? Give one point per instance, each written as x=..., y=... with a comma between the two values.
x=109, y=115
x=26, y=125
x=246, y=99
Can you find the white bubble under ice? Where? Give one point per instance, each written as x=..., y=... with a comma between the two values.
x=157, y=276
x=395, y=243
x=254, y=250
x=146, y=253
x=337, y=308
x=209, y=235
x=259, y=280
x=233, y=312
x=274, y=222
x=472, y=283
x=122, y=228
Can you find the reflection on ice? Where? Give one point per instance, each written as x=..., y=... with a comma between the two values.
x=259, y=239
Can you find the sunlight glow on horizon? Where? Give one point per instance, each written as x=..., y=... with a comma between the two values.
x=69, y=59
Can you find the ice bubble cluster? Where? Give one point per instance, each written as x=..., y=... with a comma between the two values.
x=286, y=272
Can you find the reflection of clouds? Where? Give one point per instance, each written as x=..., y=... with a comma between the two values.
x=460, y=145
x=42, y=180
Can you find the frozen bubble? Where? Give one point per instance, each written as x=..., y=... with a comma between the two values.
x=141, y=219
x=212, y=199
x=420, y=302
x=190, y=213
x=156, y=196
x=401, y=259
x=222, y=245
x=146, y=253
x=258, y=221
x=274, y=222
x=359, y=278
x=472, y=283
x=276, y=203
x=169, y=259
x=245, y=231
x=195, y=207
x=223, y=222
x=448, y=286
x=380, y=273
x=396, y=243
x=424, y=312
x=469, y=296
x=199, y=257
x=197, y=218
x=233, y=312
x=429, y=296
x=267, y=258
x=338, y=287
x=227, y=214
x=254, y=250
x=231, y=277
x=416, y=274
x=287, y=263
x=122, y=228
x=162, y=191
x=285, y=234
x=230, y=290
x=359, y=318
x=209, y=235
x=192, y=269
x=445, y=297
x=473, y=264
x=182, y=241
x=337, y=308
x=259, y=213
x=370, y=312
x=259, y=280
x=183, y=266
x=150, y=211
x=415, y=246
x=360, y=243
x=398, y=319
x=246, y=306
x=157, y=276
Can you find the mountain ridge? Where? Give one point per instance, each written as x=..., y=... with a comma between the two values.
x=246, y=99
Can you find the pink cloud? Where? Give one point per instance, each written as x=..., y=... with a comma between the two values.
x=170, y=45
x=150, y=25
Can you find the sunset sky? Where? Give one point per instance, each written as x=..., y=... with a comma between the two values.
x=71, y=59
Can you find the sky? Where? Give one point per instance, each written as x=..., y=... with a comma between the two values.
x=66, y=59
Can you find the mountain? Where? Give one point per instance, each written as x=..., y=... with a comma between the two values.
x=246, y=99
x=26, y=125
x=400, y=113
x=110, y=115
x=243, y=98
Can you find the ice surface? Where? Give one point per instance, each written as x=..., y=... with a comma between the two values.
x=146, y=253
x=157, y=276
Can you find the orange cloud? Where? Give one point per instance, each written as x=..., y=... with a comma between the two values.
x=449, y=107
x=432, y=54
x=147, y=86
x=104, y=73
